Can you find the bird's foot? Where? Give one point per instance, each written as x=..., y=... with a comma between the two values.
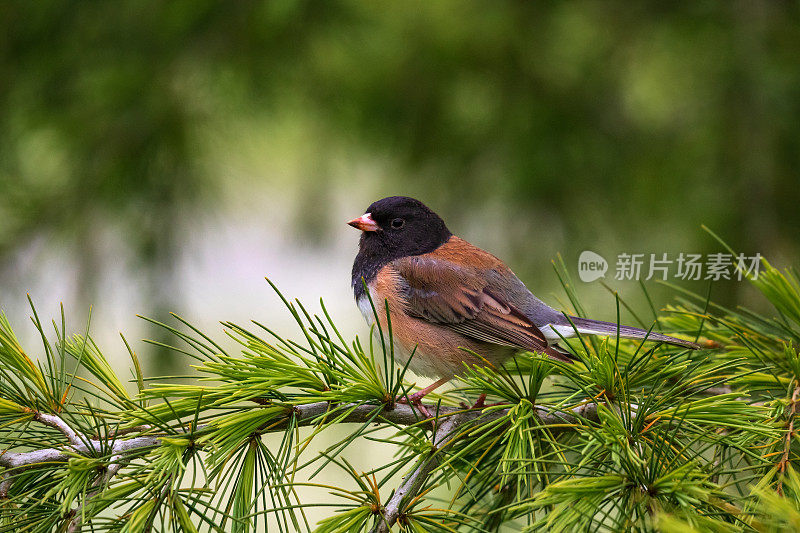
x=480, y=403
x=415, y=401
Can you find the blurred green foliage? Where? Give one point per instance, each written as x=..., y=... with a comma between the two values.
x=603, y=125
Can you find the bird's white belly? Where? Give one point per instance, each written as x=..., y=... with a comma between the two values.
x=366, y=309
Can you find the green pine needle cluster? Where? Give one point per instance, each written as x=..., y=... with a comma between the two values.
x=632, y=437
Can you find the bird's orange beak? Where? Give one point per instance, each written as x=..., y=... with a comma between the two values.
x=364, y=223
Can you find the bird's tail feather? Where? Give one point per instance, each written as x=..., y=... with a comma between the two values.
x=599, y=327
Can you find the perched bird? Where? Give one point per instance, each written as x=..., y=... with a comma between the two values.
x=448, y=298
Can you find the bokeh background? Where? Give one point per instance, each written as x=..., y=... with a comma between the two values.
x=166, y=156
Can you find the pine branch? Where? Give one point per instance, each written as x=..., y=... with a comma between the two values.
x=305, y=414
x=19, y=461
x=662, y=412
x=413, y=482
x=115, y=465
x=57, y=422
x=444, y=435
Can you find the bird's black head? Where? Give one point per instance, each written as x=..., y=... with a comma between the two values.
x=392, y=228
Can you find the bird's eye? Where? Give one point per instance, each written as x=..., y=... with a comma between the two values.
x=398, y=223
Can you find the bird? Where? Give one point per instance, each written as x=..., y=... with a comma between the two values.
x=449, y=300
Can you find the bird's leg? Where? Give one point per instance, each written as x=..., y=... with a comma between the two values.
x=480, y=403
x=420, y=394
x=416, y=398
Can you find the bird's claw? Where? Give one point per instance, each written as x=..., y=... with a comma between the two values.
x=480, y=403
x=416, y=403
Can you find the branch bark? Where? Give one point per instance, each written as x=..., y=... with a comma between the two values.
x=18, y=461
x=414, y=481
x=403, y=415
x=445, y=434
x=115, y=464
x=57, y=422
